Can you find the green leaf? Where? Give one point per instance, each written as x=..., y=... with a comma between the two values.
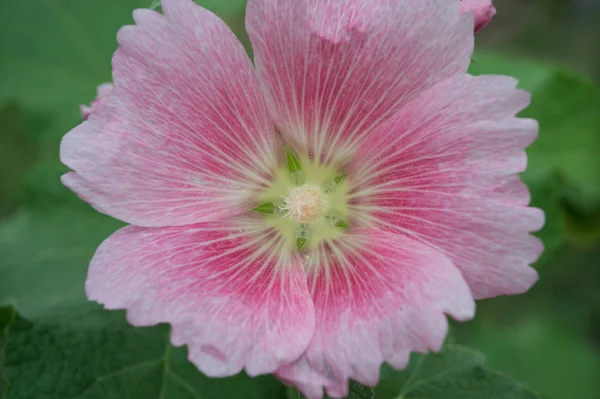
x=358, y=391
x=454, y=373
x=292, y=162
x=523, y=349
x=583, y=223
x=89, y=353
x=531, y=74
x=547, y=194
x=355, y=391
x=266, y=208
x=18, y=152
x=6, y=320
x=293, y=393
x=62, y=346
x=45, y=257
x=569, y=143
x=217, y=6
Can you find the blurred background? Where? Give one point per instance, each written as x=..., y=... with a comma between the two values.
x=53, y=54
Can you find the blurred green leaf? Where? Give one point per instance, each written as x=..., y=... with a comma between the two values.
x=547, y=194
x=359, y=391
x=89, y=353
x=531, y=74
x=45, y=258
x=355, y=391
x=583, y=223
x=53, y=62
x=544, y=354
x=18, y=153
x=219, y=7
x=569, y=143
x=454, y=373
x=6, y=320
x=63, y=346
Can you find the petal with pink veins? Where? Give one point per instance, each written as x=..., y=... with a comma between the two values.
x=335, y=69
x=378, y=296
x=483, y=11
x=103, y=90
x=228, y=289
x=444, y=170
x=184, y=137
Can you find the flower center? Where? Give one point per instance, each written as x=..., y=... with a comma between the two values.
x=306, y=202
x=303, y=203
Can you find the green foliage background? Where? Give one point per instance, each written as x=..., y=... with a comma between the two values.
x=54, y=344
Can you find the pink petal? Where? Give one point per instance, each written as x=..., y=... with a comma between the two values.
x=228, y=290
x=378, y=296
x=184, y=137
x=444, y=170
x=85, y=111
x=483, y=11
x=103, y=90
x=335, y=69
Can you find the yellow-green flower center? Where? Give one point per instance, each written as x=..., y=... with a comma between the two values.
x=306, y=203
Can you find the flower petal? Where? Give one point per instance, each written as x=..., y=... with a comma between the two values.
x=378, y=296
x=184, y=136
x=335, y=69
x=483, y=11
x=444, y=170
x=229, y=291
x=103, y=90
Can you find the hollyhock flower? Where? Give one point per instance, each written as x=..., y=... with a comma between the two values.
x=102, y=91
x=319, y=213
x=483, y=10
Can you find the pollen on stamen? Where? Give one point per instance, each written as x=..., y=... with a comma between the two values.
x=303, y=203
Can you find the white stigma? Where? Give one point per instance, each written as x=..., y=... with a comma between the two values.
x=303, y=203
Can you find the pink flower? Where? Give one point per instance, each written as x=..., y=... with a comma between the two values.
x=386, y=133
x=483, y=10
x=103, y=90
